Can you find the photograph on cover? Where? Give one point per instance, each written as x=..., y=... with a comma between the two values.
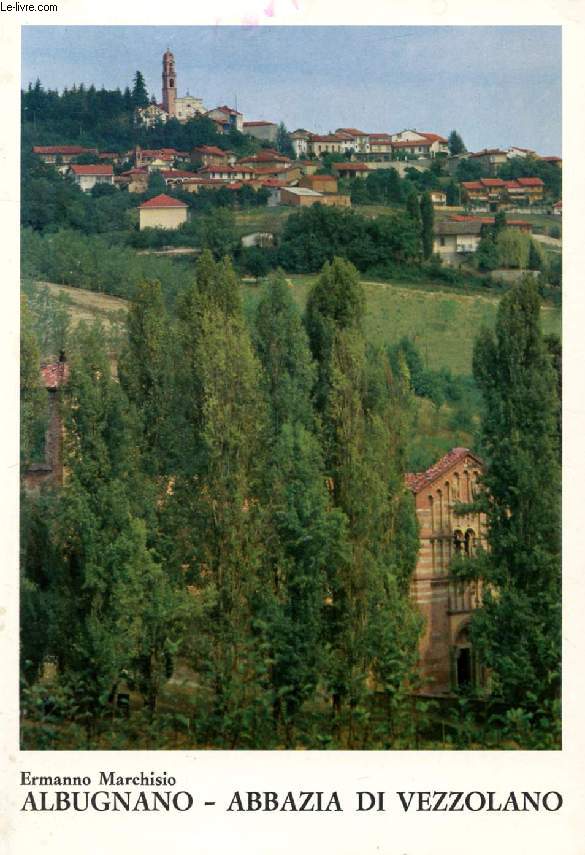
x=290, y=387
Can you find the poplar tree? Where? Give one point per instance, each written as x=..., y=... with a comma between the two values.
x=108, y=583
x=336, y=302
x=33, y=398
x=517, y=631
x=427, y=214
x=146, y=370
x=306, y=535
x=371, y=624
x=413, y=209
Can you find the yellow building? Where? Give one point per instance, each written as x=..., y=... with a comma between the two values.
x=162, y=212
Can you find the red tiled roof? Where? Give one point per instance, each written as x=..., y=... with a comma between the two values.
x=492, y=182
x=530, y=182
x=55, y=374
x=226, y=169
x=353, y=131
x=355, y=167
x=381, y=136
x=551, y=158
x=267, y=170
x=259, y=124
x=472, y=185
x=229, y=110
x=273, y=182
x=92, y=169
x=136, y=170
x=265, y=157
x=432, y=137
x=163, y=201
x=416, y=481
x=211, y=149
x=464, y=218
x=327, y=138
x=60, y=149
x=176, y=173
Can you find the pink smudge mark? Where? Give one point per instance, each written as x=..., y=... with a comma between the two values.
x=269, y=11
x=296, y=4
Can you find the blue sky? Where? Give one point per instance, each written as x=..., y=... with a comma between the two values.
x=497, y=86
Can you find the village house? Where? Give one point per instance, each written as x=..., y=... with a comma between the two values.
x=460, y=235
x=419, y=143
x=453, y=240
x=494, y=193
x=211, y=155
x=136, y=179
x=300, y=142
x=87, y=176
x=516, y=151
x=491, y=159
x=360, y=139
x=308, y=167
x=227, y=173
x=303, y=197
x=229, y=118
x=266, y=157
x=61, y=156
x=320, y=144
x=446, y=658
x=351, y=169
x=151, y=115
x=265, y=131
x=320, y=183
x=176, y=177
x=380, y=144
x=438, y=198
x=162, y=212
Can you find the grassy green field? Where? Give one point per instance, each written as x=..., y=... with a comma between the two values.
x=443, y=324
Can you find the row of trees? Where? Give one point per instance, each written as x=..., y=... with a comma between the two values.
x=235, y=501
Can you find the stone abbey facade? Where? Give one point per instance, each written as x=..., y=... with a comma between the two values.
x=446, y=657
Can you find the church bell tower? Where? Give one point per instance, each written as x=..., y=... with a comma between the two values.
x=169, y=83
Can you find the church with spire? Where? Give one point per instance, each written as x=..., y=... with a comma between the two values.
x=187, y=106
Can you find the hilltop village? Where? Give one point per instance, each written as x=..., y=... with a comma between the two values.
x=255, y=449
x=301, y=169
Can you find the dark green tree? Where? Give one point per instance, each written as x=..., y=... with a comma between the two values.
x=456, y=145
x=427, y=214
x=517, y=631
x=146, y=370
x=139, y=93
x=283, y=141
x=336, y=302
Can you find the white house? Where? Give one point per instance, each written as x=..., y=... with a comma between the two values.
x=88, y=175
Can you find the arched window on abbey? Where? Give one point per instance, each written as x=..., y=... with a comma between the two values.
x=458, y=542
